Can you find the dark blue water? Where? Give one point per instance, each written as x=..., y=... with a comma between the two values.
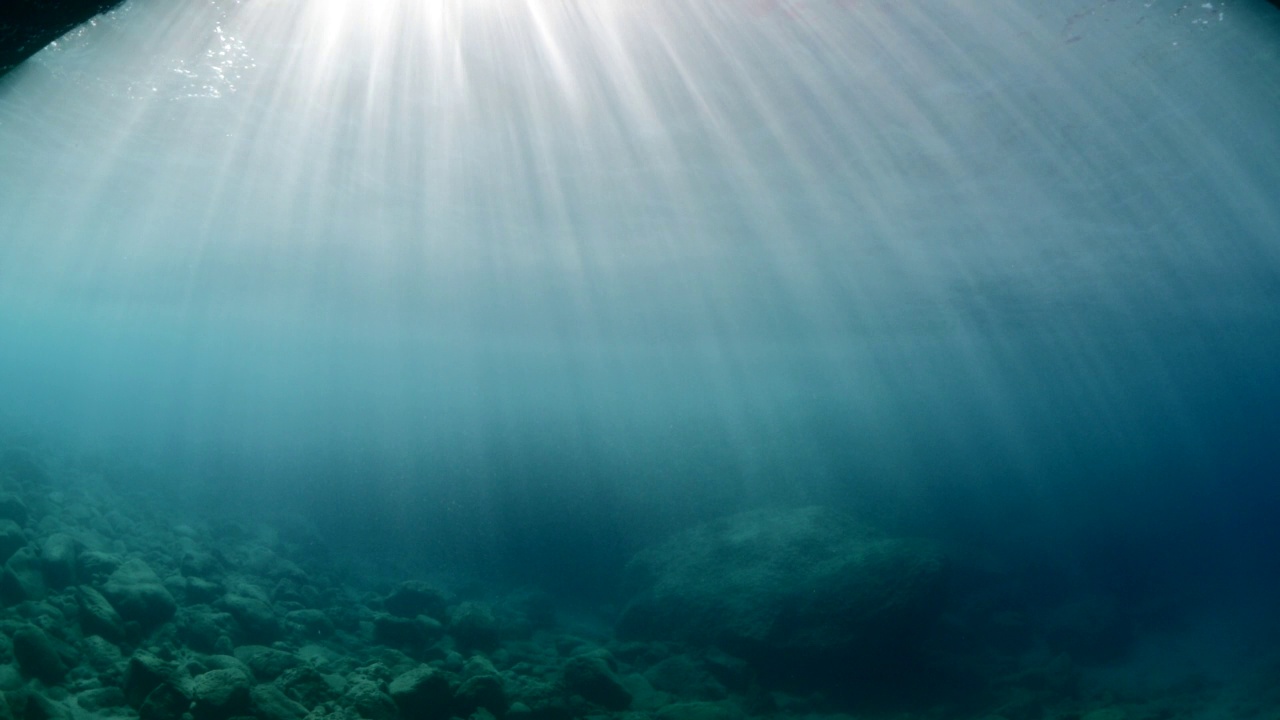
x=510, y=292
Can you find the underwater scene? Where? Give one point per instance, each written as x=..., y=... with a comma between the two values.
x=641, y=360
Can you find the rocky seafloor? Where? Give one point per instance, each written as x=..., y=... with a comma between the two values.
x=115, y=606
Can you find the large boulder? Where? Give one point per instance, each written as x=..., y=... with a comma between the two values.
x=138, y=594
x=21, y=578
x=220, y=694
x=98, y=616
x=254, y=614
x=58, y=557
x=423, y=692
x=415, y=598
x=37, y=655
x=787, y=585
x=11, y=538
x=590, y=677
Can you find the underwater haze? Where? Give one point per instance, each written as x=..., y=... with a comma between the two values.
x=511, y=290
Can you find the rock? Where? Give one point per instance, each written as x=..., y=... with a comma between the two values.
x=11, y=679
x=309, y=623
x=423, y=692
x=290, y=590
x=137, y=593
x=94, y=567
x=202, y=628
x=785, y=586
x=166, y=702
x=22, y=579
x=732, y=672
x=266, y=663
x=144, y=674
x=372, y=704
x=37, y=655
x=11, y=539
x=473, y=627
x=58, y=559
x=39, y=707
x=98, y=617
x=306, y=685
x=101, y=699
x=540, y=701
x=684, y=677
x=1112, y=713
x=700, y=711
x=255, y=616
x=409, y=634
x=219, y=694
x=270, y=703
x=12, y=508
x=199, y=564
x=590, y=677
x=414, y=598
x=28, y=28
x=100, y=654
x=481, y=691
x=200, y=590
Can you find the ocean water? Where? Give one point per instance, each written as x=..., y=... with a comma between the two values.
x=496, y=294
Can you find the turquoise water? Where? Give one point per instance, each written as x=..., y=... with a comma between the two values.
x=489, y=285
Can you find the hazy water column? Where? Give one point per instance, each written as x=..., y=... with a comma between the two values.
x=729, y=250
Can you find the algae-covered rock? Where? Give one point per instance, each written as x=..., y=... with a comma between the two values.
x=306, y=685
x=97, y=616
x=481, y=691
x=777, y=585
x=700, y=711
x=254, y=614
x=37, y=655
x=58, y=559
x=200, y=590
x=683, y=676
x=196, y=563
x=590, y=677
x=473, y=626
x=99, y=699
x=423, y=692
x=366, y=698
x=409, y=634
x=540, y=701
x=270, y=703
x=11, y=539
x=309, y=623
x=166, y=702
x=145, y=673
x=22, y=578
x=220, y=694
x=13, y=508
x=94, y=566
x=266, y=663
x=37, y=706
x=138, y=594
x=202, y=627
x=414, y=598
x=100, y=654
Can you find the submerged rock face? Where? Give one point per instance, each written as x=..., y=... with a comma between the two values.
x=28, y=25
x=785, y=585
